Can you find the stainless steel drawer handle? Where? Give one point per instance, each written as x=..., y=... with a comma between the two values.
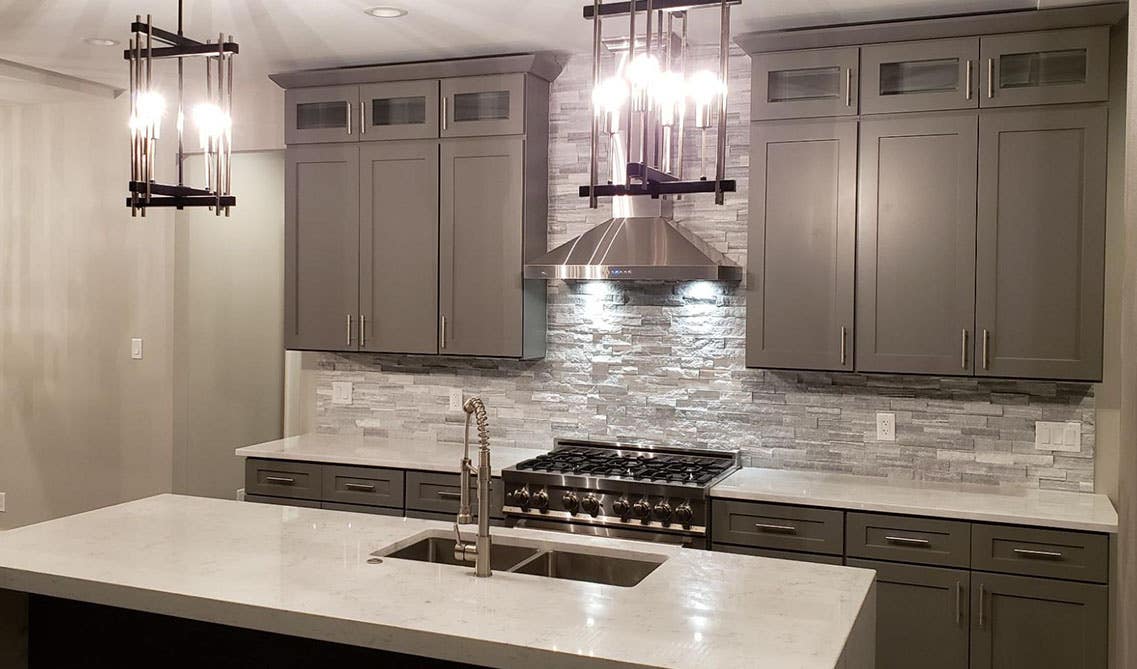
x=990, y=77
x=986, y=349
x=349, y=330
x=284, y=480
x=362, y=487
x=788, y=529
x=967, y=80
x=844, y=345
x=444, y=112
x=348, y=103
x=443, y=336
x=363, y=330
x=1038, y=555
x=849, y=87
x=958, y=602
x=449, y=495
x=963, y=351
x=362, y=117
x=911, y=541
x=982, y=605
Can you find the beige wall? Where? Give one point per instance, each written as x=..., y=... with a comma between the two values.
x=228, y=348
x=81, y=424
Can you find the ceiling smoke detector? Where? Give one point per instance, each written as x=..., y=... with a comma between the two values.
x=100, y=41
x=385, y=12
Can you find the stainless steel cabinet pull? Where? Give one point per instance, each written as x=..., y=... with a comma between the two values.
x=363, y=330
x=844, y=346
x=788, y=529
x=365, y=487
x=348, y=116
x=362, y=117
x=444, y=112
x=1038, y=555
x=986, y=347
x=963, y=351
x=280, y=479
x=958, y=602
x=967, y=80
x=449, y=495
x=443, y=342
x=990, y=77
x=849, y=87
x=982, y=599
x=908, y=540
x=349, y=330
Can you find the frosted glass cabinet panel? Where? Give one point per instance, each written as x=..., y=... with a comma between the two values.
x=1056, y=66
x=804, y=84
x=920, y=76
x=399, y=110
x=321, y=114
x=481, y=106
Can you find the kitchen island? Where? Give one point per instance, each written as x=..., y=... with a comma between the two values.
x=305, y=573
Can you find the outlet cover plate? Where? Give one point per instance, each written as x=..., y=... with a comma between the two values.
x=3, y=501
x=455, y=399
x=886, y=427
x=341, y=392
x=1065, y=437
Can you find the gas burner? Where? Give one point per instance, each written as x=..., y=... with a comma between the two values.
x=629, y=465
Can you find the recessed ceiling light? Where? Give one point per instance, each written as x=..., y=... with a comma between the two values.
x=100, y=41
x=386, y=12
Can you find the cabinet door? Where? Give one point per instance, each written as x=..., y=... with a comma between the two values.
x=398, y=246
x=919, y=76
x=399, y=110
x=1041, y=250
x=323, y=114
x=321, y=236
x=804, y=84
x=480, y=289
x=916, y=244
x=1020, y=621
x=802, y=240
x=921, y=612
x=1045, y=67
x=479, y=106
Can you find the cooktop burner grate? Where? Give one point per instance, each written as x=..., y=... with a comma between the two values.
x=654, y=467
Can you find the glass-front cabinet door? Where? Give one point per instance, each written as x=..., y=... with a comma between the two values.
x=919, y=76
x=399, y=110
x=804, y=84
x=1056, y=66
x=321, y=114
x=486, y=105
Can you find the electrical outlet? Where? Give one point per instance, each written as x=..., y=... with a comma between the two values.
x=886, y=427
x=1058, y=436
x=3, y=501
x=240, y=494
x=455, y=399
x=341, y=392
x=136, y=348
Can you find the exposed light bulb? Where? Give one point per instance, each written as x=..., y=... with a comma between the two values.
x=607, y=99
x=642, y=73
x=668, y=95
x=212, y=123
x=704, y=88
x=149, y=108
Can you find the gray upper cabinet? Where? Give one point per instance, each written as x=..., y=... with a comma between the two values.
x=399, y=110
x=321, y=236
x=1048, y=67
x=916, y=244
x=804, y=84
x=481, y=292
x=1038, y=623
x=398, y=246
x=928, y=75
x=802, y=241
x=1041, y=243
x=486, y=105
x=321, y=114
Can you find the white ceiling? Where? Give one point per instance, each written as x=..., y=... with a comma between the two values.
x=278, y=35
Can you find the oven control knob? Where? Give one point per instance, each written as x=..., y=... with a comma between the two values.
x=570, y=502
x=540, y=500
x=521, y=498
x=683, y=513
x=641, y=509
x=662, y=512
x=591, y=506
x=621, y=508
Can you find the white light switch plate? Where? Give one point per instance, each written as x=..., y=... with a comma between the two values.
x=341, y=392
x=455, y=399
x=3, y=501
x=1058, y=436
x=136, y=348
x=886, y=427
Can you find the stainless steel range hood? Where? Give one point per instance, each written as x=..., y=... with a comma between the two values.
x=641, y=242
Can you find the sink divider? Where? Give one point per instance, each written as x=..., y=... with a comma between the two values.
x=532, y=558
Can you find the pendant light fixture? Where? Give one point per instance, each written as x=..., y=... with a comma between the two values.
x=213, y=118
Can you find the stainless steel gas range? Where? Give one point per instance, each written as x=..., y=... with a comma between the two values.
x=625, y=489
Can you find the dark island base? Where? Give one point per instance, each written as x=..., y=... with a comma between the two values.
x=66, y=633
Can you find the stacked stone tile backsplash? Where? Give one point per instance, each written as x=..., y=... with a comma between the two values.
x=666, y=361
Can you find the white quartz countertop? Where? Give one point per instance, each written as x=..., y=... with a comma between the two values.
x=376, y=452
x=1042, y=508
x=303, y=572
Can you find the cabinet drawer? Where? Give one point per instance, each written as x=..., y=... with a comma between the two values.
x=280, y=478
x=283, y=501
x=360, y=508
x=779, y=527
x=1079, y=556
x=430, y=491
x=371, y=486
x=900, y=539
x=779, y=555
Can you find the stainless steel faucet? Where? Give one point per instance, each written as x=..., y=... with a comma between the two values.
x=479, y=552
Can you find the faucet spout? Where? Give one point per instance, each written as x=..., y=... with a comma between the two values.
x=479, y=553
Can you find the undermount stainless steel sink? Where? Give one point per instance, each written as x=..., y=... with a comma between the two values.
x=588, y=567
x=536, y=560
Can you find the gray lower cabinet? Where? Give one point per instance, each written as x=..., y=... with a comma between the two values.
x=1020, y=621
x=283, y=501
x=485, y=306
x=398, y=247
x=802, y=241
x=815, y=558
x=1041, y=242
x=916, y=243
x=922, y=612
x=321, y=241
